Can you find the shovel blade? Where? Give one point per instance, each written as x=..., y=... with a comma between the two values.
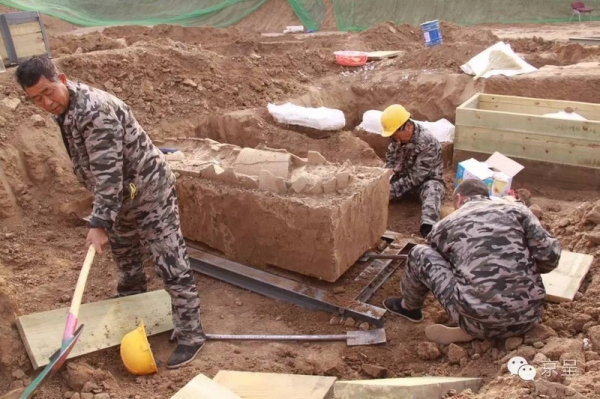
x=369, y=337
x=56, y=361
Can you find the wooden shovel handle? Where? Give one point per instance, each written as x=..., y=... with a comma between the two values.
x=83, y=275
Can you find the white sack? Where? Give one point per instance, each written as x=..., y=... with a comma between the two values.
x=317, y=118
x=479, y=63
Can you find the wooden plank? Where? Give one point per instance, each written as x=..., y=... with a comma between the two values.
x=24, y=29
x=555, y=149
x=404, y=388
x=106, y=322
x=276, y=386
x=565, y=176
x=379, y=55
x=532, y=124
x=471, y=103
x=563, y=282
x=202, y=387
x=535, y=106
x=29, y=45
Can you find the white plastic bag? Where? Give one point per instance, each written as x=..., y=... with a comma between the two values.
x=317, y=118
x=443, y=130
x=566, y=115
x=371, y=122
x=480, y=62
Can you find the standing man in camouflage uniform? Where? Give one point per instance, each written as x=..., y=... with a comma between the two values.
x=135, y=202
x=415, y=156
x=484, y=264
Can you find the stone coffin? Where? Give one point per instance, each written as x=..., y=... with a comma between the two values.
x=264, y=207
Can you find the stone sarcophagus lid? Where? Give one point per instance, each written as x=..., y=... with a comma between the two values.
x=261, y=206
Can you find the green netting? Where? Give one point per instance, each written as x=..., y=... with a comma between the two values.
x=350, y=15
x=356, y=15
x=309, y=12
x=216, y=13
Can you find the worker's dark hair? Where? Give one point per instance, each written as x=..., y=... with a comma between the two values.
x=472, y=187
x=29, y=72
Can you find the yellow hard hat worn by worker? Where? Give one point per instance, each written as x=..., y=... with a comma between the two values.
x=392, y=118
x=136, y=353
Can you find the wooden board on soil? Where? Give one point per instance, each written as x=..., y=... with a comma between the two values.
x=563, y=282
x=412, y=387
x=248, y=385
x=380, y=55
x=105, y=324
x=202, y=387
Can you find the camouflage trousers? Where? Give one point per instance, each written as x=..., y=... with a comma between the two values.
x=431, y=193
x=426, y=270
x=156, y=228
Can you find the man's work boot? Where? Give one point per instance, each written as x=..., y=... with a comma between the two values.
x=425, y=229
x=183, y=354
x=394, y=305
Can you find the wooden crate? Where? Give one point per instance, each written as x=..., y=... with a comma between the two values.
x=22, y=36
x=560, y=151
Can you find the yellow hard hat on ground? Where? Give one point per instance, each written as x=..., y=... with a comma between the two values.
x=136, y=353
x=392, y=118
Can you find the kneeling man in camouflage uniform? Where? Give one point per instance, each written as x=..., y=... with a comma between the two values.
x=135, y=203
x=484, y=264
x=415, y=156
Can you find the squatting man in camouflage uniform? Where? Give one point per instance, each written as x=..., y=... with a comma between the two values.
x=483, y=264
x=415, y=156
x=135, y=202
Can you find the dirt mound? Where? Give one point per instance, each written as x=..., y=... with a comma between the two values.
x=391, y=36
x=67, y=44
x=444, y=56
x=204, y=36
x=165, y=82
x=452, y=33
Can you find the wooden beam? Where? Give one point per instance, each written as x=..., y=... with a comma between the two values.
x=276, y=386
x=106, y=322
x=563, y=282
x=535, y=106
x=202, y=387
x=397, y=388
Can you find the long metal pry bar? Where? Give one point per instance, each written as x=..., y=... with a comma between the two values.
x=267, y=284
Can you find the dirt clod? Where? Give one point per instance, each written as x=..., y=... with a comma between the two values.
x=539, y=332
x=594, y=334
x=456, y=353
x=513, y=343
x=374, y=370
x=18, y=374
x=349, y=322
x=89, y=386
x=428, y=351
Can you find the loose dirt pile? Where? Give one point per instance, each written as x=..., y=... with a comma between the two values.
x=216, y=83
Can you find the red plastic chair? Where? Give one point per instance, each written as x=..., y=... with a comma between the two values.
x=579, y=8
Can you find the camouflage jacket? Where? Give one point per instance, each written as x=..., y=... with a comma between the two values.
x=498, y=250
x=111, y=152
x=414, y=162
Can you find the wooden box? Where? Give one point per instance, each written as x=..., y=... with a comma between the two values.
x=552, y=150
x=22, y=36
